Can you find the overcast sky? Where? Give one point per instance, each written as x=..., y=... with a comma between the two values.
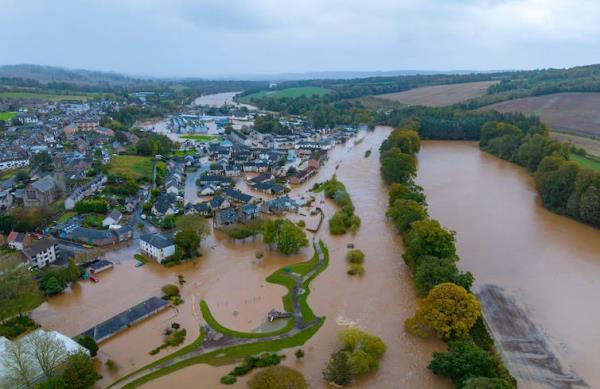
x=227, y=37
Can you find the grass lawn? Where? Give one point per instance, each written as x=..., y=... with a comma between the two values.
x=132, y=166
x=66, y=216
x=201, y=138
x=6, y=116
x=46, y=96
x=288, y=92
x=227, y=355
x=586, y=162
x=6, y=174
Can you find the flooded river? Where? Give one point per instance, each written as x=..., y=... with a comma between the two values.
x=378, y=302
x=542, y=268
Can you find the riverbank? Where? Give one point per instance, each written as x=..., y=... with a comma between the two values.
x=547, y=264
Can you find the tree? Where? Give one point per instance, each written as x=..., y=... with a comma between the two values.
x=193, y=222
x=405, y=212
x=285, y=235
x=74, y=272
x=18, y=365
x=89, y=343
x=42, y=160
x=187, y=242
x=79, y=372
x=486, y=383
x=170, y=290
x=398, y=191
x=428, y=237
x=278, y=377
x=365, y=349
x=18, y=290
x=47, y=350
x=406, y=140
x=432, y=271
x=397, y=166
x=462, y=361
x=355, y=256
x=339, y=369
x=448, y=311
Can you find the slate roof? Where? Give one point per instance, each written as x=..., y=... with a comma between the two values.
x=44, y=184
x=157, y=240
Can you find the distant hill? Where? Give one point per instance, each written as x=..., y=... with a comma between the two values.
x=53, y=74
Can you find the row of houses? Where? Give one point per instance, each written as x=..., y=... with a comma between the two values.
x=84, y=191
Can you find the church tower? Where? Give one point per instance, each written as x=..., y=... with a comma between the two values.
x=59, y=176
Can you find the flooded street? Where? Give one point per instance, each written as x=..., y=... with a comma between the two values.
x=547, y=264
x=378, y=302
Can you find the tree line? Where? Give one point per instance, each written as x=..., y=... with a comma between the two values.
x=447, y=309
x=564, y=186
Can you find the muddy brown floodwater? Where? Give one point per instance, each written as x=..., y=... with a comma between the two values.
x=234, y=286
x=537, y=273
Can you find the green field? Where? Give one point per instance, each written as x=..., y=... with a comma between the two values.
x=132, y=166
x=6, y=174
x=6, y=116
x=46, y=96
x=201, y=138
x=586, y=162
x=288, y=92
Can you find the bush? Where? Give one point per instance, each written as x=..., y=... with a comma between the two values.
x=89, y=343
x=112, y=366
x=16, y=326
x=301, y=223
x=170, y=290
x=228, y=379
x=278, y=377
x=356, y=270
x=299, y=353
x=355, y=256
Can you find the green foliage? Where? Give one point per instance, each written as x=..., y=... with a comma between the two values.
x=355, y=256
x=404, y=213
x=228, y=379
x=407, y=191
x=345, y=219
x=89, y=343
x=406, y=140
x=339, y=369
x=356, y=270
x=170, y=290
x=79, y=372
x=187, y=242
x=112, y=366
x=486, y=383
x=278, y=377
x=287, y=237
x=151, y=144
x=448, y=311
x=427, y=238
x=462, y=361
x=432, y=271
x=91, y=206
x=16, y=326
x=299, y=353
x=397, y=166
x=42, y=161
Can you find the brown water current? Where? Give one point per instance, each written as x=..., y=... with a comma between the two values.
x=537, y=273
x=233, y=283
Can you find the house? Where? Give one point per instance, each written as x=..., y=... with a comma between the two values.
x=18, y=240
x=114, y=217
x=41, y=193
x=171, y=186
x=203, y=209
x=130, y=204
x=6, y=199
x=41, y=253
x=70, y=346
x=99, y=265
x=165, y=205
x=208, y=190
x=249, y=212
x=219, y=202
x=269, y=187
x=81, y=192
x=157, y=246
x=214, y=179
x=124, y=233
x=89, y=235
x=236, y=196
x=279, y=205
x=302, y=175
x=227, y=217
x=263, y=177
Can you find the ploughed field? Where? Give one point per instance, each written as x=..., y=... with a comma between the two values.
x=440, y=95
x=566, y=112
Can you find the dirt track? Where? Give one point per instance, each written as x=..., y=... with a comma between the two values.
x=525, y=348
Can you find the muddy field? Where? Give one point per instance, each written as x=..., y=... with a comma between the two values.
x=591, y=145
x=440, y=95
x=568, y=112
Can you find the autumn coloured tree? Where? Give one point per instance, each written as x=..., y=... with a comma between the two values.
x=448, y=311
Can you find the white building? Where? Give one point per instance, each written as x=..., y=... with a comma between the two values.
x=157, y=246
x=113, y=218
x=41, y=253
